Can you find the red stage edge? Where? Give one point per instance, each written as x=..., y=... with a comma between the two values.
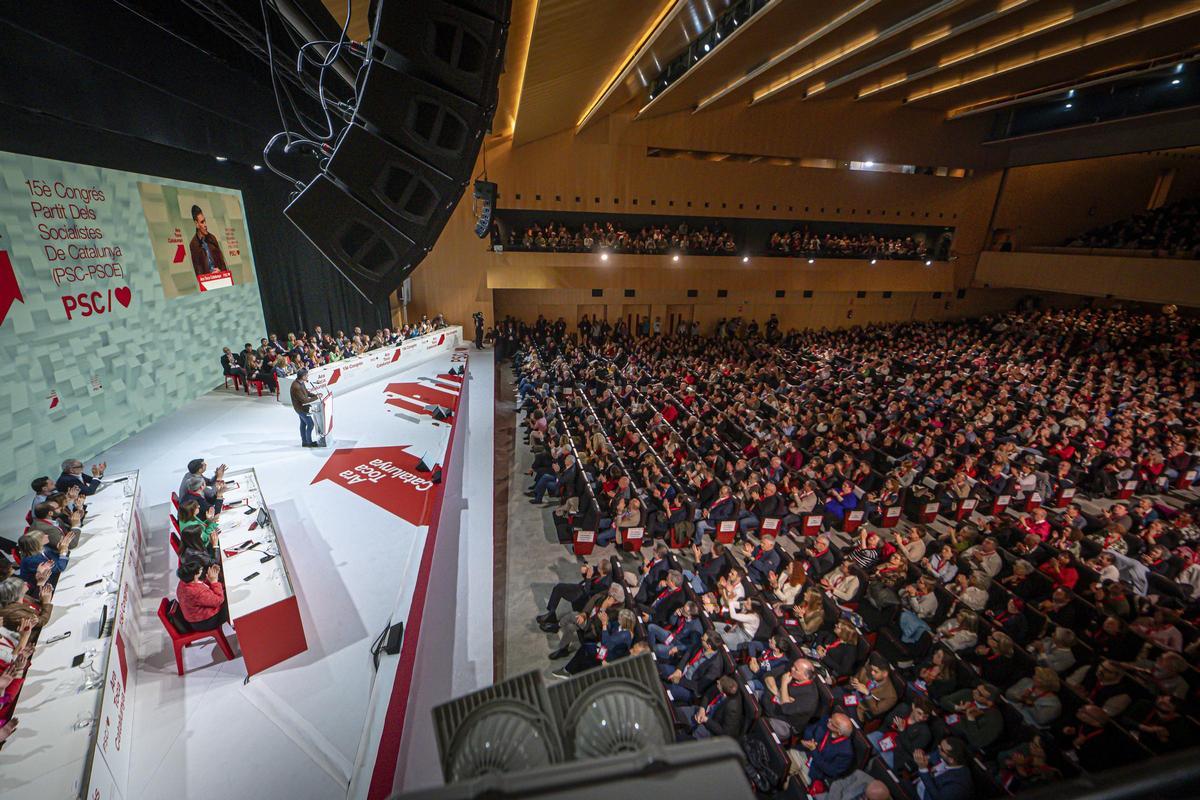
x=271, y=635
x=383, y=775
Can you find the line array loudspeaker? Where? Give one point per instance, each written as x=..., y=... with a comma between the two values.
x=398, y=171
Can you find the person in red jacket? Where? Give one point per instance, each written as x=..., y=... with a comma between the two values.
x=200, y=593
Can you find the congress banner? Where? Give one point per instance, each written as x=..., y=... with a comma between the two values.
x=96, y=316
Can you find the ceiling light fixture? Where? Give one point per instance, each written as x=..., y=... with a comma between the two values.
x=745, y=259
x=222, y=158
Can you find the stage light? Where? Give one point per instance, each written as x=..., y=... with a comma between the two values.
x=1175, y=82
x=745, y=259
x=257, y=167
x=928, y=263
x=604, y=256
x=1070, y=105
x=675, y=257
x=812, y=260
x=222, y=158
x=872, y=261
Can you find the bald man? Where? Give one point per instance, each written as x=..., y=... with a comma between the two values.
x=858, y=785
x=827, y=754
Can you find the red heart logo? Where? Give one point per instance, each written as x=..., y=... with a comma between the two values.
x=123, y=295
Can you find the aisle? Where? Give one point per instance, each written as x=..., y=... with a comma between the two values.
x=294, y=730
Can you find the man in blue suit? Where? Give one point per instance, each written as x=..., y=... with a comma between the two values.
x=944, y=775
x=828, y=752
x=678, y=638
x=73, y=475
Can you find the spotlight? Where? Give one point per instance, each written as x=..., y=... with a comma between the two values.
x=745, y=259
x=675, y=257
x=1175, y=82
x=222, y=158
x=1069, y=105
x=872, y=261
x=811, y=260
x=604, y=256
x=257, y=167
x=928, y=263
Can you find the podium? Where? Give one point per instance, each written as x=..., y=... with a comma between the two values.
x=322, y=412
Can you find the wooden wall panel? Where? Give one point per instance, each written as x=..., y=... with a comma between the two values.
x=1150, y=280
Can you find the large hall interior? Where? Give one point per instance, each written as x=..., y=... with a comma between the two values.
x=745, y=399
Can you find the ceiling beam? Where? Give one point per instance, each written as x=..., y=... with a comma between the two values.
x=1002, y=8
x=782, y=56
x=838, y=56
x=1170, y=16
x=658, y=24
x=1047, y=26
x=760, y=14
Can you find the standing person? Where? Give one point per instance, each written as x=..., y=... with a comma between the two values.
x=302, y=398
x=478, y=330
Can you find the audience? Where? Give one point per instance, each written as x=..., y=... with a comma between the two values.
x=591, y=237
x=1025, y=638
x=801, y=243
x=1171, y=231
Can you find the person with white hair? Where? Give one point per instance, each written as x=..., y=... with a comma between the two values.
x=73, y=475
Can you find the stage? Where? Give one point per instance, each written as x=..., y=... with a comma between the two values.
x=297, y=729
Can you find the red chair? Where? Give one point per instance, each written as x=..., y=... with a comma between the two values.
x=1184, y=481
x=1032, y=500
x=175, y=500
x=769, y=525
x=583, y=542
x=676, y=539
x=29, y=517
x=726, y=530
x=174, y=523
x=999, y=505
x=1127, y=489
x=891, y=516
x=928, y=513
x=633, y=539
x=812, y=524
x=176, y=543
x=237, y=382
x=181, y=640
x=965, y=506
x=1063, y=497
x=852, y=520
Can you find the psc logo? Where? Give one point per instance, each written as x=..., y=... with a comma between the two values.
x=85, y=304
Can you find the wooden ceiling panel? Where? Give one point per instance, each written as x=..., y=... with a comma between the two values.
x=577, y=47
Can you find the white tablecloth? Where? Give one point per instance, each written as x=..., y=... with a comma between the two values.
x=272, y=584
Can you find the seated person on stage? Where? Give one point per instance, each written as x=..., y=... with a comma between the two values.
x=194, y=488
x=231, y=366
x=198, y=532
x=200, y=593
x=73, y=475
x=594, y=581
x=196, y=467
x=17, y=609
x=34, y=548
x=42, y=487
x=44, y=522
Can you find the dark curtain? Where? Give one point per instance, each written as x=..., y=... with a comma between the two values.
x=157, y=106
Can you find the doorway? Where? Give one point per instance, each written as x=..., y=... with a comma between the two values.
x=634, y=315
x=677, y=315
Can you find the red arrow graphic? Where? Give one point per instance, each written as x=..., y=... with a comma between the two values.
x=385, y=476
x=10, y=292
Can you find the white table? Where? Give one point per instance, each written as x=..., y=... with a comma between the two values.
x=262, y=606
x=351, y=373
x=76, y=722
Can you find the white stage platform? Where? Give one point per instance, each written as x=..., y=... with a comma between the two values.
x=296, y=729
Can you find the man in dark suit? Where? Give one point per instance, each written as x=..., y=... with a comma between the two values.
x=680, y=636
x=696, y=673
x=720, y=716
x=944, y=775
x=594, y=580
x=712, y=567
x=232, y=366
x=654, y=573
x=73, y=475
x=762, y=561
x=792, y=703
x=666, y=602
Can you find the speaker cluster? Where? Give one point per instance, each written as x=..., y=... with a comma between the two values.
x=426, y=99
